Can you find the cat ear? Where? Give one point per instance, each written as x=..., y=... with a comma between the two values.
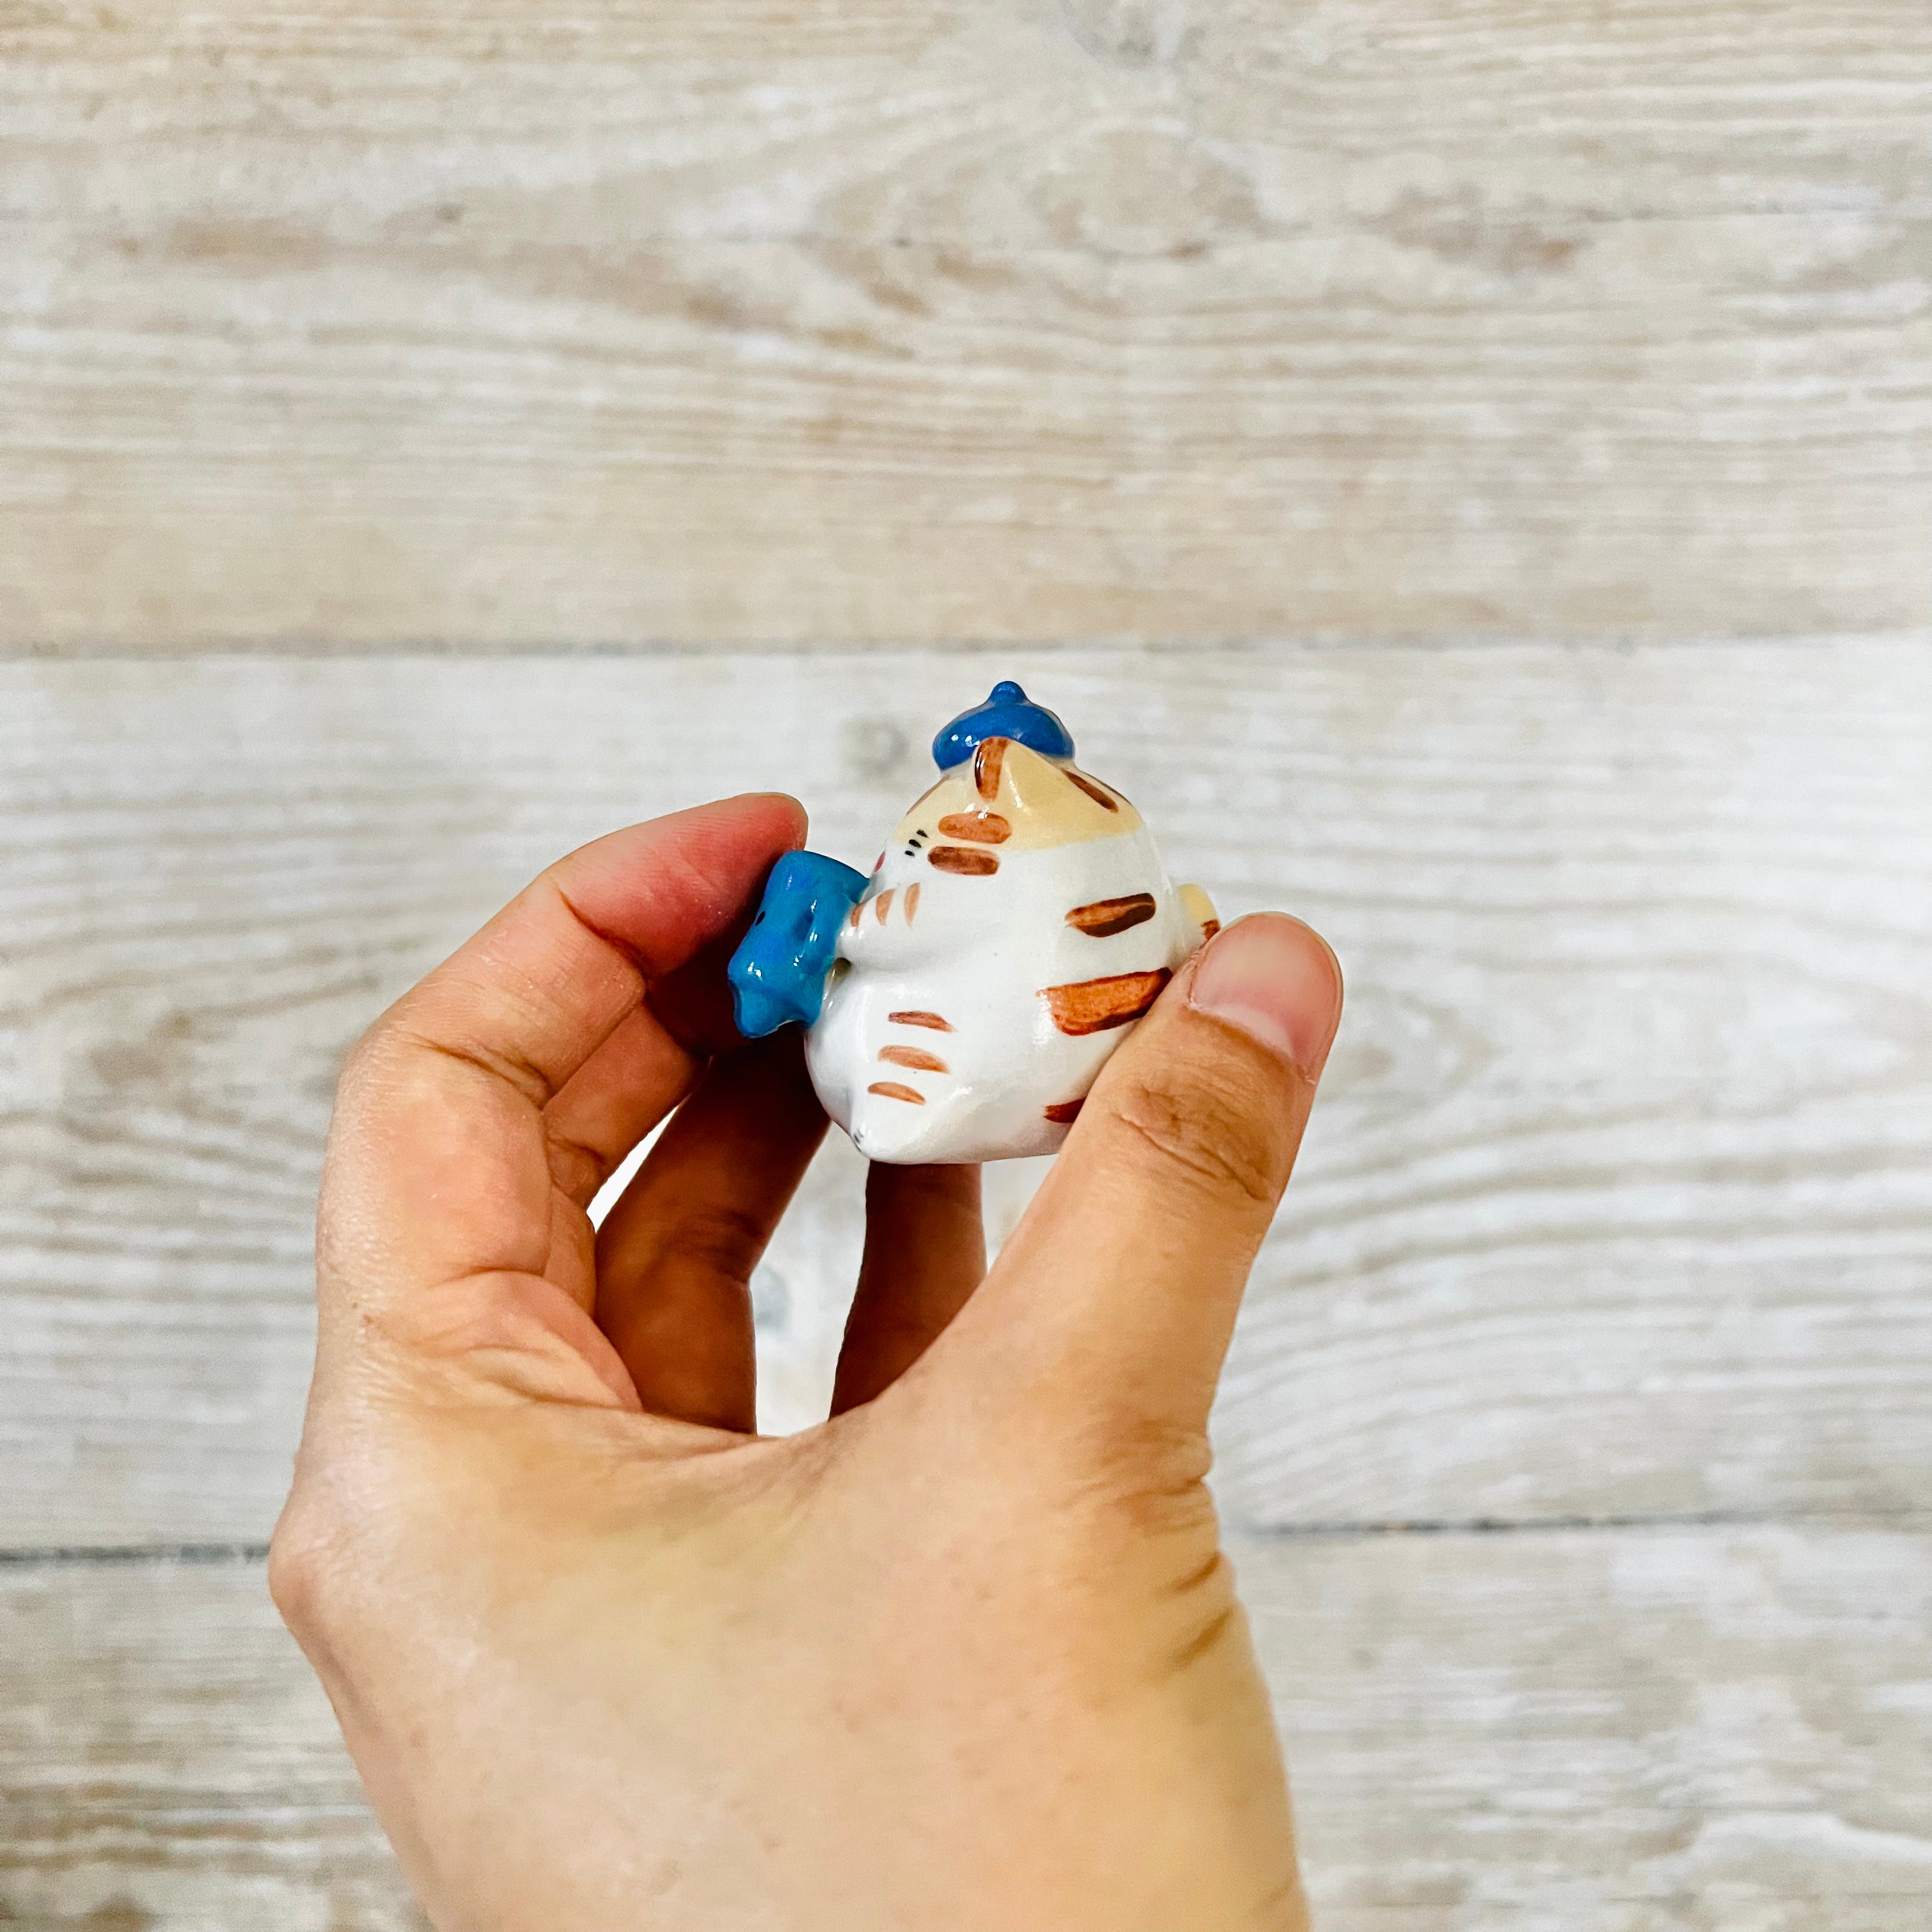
x=1200, y=909
x=1027, y=780
x=1056, y=799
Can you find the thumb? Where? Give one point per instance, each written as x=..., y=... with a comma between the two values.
x=1118, y=1291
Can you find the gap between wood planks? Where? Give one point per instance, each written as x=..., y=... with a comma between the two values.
x=110, y=1556
x=991, y=647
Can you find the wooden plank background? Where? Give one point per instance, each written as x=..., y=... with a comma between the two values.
x=1464, y=469
x=913, y=320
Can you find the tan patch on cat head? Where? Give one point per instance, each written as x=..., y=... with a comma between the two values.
x=1041, y=802
x=982, y=828
x=1106, y=800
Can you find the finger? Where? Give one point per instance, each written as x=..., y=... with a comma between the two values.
x=439, y=1165
x=926, y=1252
x=675, y=1256
x=695, y=1003
x=1118, y=1292
x=648, y=1064
x=612, y=1100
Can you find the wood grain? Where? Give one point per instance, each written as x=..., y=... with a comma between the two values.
x=168, y=1763
x=1625, y=1731
x=1614, y=1205
x=905, y=323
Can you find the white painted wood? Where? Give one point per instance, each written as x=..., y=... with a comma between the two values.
x=908, y=322
x=1726, y=1731
x=1622, y=1732
x=1615, y=1203
x=169, y=1763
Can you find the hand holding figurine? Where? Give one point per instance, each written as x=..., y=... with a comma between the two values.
x=964, y=1657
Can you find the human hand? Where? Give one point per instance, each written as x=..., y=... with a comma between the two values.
x=964, y=1658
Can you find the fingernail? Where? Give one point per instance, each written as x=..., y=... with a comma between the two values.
x=1276, y=980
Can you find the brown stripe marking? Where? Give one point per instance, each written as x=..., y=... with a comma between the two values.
x=983, y=828
x=964, y=859
x=858, y=912
x=891, y=1090
x=917, y=1057
x=1095, y=792
x=1092, y=1005
x=988, y=755
x=911, y=901
x=1063, y=1110
x=1106, y=917
x=884, y=903
x=932, y=1020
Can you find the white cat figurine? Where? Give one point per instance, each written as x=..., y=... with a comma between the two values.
x=960, y=1001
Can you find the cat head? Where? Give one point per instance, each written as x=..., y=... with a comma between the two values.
x=1004, y=797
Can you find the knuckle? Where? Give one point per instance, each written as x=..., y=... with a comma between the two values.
x=302, y=1559
x=1141, y=1474
x=341, y=1546
x=575, y=1165
x=720, y=1239
x=366, y=1063
x=1154, y=1513
x=337, y=1537
x=1220, y=1136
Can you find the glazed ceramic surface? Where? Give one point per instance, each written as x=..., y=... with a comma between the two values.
x=1017, y=925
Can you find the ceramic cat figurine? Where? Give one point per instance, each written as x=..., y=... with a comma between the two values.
x=960, y=1002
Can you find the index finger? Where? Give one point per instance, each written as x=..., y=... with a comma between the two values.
x=438, y=1166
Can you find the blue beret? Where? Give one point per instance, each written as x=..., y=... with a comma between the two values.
x=1007, y=713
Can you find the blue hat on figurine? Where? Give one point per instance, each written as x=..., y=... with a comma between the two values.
x=1007, y=713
